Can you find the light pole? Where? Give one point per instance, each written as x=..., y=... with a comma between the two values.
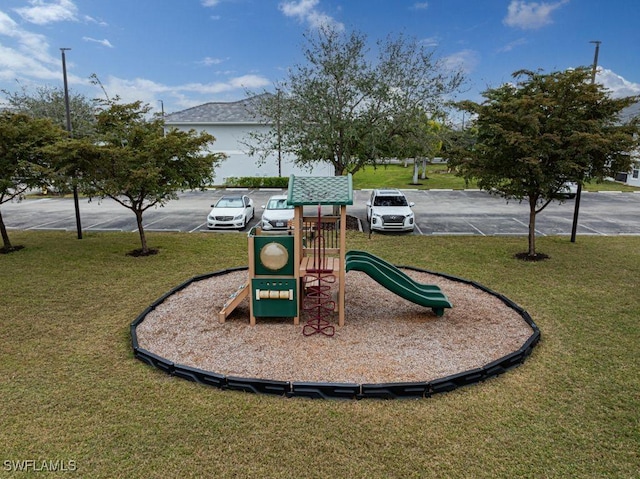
x=68, y=114
x=576, y=208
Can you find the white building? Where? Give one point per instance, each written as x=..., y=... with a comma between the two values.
x=631, y=178
x=230, y=123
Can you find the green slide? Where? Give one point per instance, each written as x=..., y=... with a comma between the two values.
x=397, y=281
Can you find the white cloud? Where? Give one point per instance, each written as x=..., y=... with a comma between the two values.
x=41, y=12
x=430, y=42
x=104, y=42
x=209, y=61
x=178, y=96
x=618, y=85
x=530, y=16
x=210, y=3
x=32, y=46
x=420, y=5
x=305, y=11
x=464, y=60
x=511, y=45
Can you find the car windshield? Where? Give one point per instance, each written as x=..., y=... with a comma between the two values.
x=279, y=204
x=229, y=203
x=390, y=201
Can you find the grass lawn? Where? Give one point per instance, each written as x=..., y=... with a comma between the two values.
x=72, y=391
x=397, y=176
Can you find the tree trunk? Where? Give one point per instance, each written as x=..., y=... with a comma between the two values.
x=414, y=181
x=143, y=238
x=532, y=228
x=424, y=169
x=5, y=235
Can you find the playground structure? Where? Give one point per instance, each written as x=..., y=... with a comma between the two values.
x=303, y=268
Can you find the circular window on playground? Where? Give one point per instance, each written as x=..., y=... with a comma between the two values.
x=274, y=256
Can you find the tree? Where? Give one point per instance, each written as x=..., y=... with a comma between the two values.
x=342, y=108
x=137, y=164
x=23, y=165
x=48, y=102
x=419, y=139
x=546, y=129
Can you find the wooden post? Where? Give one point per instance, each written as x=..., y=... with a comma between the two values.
x=252, y=274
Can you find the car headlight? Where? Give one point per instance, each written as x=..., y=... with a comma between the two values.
x=237, y=217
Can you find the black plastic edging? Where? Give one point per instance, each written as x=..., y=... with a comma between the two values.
x=324, y=390
x=394, y=390
x=254, y=385
x=317, y=390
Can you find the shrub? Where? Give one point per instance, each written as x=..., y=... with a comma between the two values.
x=258, y=181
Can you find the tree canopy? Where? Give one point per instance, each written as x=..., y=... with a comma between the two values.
x=23, y=165
x=48, y=102
x=135, y=163
x=342, y=107
x=533, y=136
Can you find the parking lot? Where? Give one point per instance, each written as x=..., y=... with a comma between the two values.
x=438, y=212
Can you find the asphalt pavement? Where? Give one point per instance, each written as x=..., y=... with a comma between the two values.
x=438, y=212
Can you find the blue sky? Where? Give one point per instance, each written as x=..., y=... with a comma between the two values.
x=181, y=53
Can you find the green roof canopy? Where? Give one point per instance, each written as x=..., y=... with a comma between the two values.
x=323, y=190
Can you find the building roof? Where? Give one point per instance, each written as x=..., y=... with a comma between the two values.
x=322, y=190
x=243, y=111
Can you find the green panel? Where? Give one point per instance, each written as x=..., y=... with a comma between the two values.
x=323, y=190
x=280, y=308
x=287, y=243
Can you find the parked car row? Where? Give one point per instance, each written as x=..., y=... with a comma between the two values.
x=386, y=210
x=236, y=211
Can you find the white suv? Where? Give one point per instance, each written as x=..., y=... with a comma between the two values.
x=277, y=213
x=388, y=210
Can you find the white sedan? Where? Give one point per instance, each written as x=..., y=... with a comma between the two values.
x=231, y=212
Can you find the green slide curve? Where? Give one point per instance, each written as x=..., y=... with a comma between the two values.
x=396, y=281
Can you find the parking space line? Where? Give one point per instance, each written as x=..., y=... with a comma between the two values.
x=100, y=223
x=452, y=233
x=477, y=229
x=197, y=227
x=594, y=230
x=537, y=231
x=41, y=226
x=145, y=226
x=419, y=230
